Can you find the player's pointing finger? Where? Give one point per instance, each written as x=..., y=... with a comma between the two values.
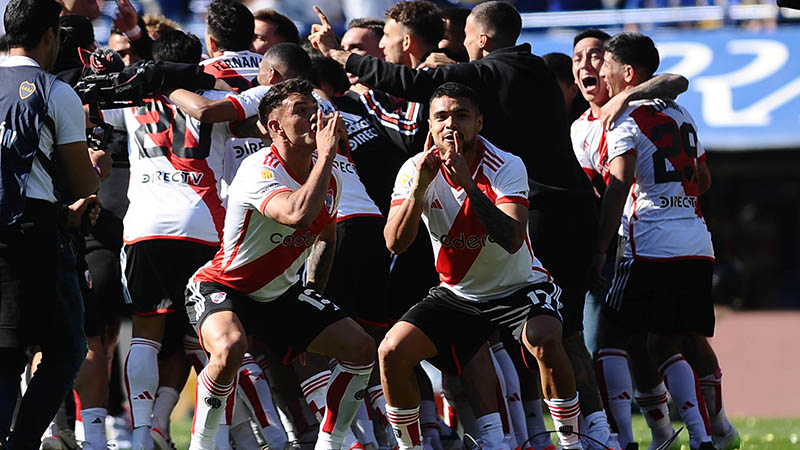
x=323, y=19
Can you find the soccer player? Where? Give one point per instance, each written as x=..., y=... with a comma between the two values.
x=665, y=235
x=281, y=211
x=473, y=200
x=272, y=27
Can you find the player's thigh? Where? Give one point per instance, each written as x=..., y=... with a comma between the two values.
x=406, y=345
x=222, y=333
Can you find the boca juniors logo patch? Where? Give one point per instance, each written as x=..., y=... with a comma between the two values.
x=26, y=89
x=218, y=297
x=329, y=199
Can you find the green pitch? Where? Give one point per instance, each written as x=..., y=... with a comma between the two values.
x=757, y=433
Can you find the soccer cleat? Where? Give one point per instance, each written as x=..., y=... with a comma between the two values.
x=119, y=432
x=730, y=441
x=64, y=440
x=598, y=434
x=706, y=446
x=632, y=446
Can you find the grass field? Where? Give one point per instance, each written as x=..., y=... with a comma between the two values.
x=757, y=433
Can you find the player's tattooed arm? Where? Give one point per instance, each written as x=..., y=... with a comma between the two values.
x=320, y=260
x=667, y=86
x=505, y=223
x=204, y=109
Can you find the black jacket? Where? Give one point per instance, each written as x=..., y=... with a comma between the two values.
x=522, y=105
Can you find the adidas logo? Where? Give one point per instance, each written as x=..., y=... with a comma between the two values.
x=623, y=396
x=435, y=204
x=97, y=420
x=687, y=405
x=144, y=396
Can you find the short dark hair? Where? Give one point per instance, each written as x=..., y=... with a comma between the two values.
x=591, y=33
x=280, y=92
x=26, y=21
x=500, y=20
x=634, y=49
x=368, y=23
x=456, y=16
x=76, y=33
x=292, y=57
x=329, y=71
x=177, y=46
x=457, y=90
x=561, y=65
x=231, y=25
x=421, y=17
x=283, y=25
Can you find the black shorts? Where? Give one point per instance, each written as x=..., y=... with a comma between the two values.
x=563, y=238
x=156, y=272
x=459, y=327
x=662, y=296
x=287, y=324
x=359, y=278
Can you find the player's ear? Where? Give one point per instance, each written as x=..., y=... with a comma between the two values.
x=274, y=128
x=630, y=72
x=479, y=123
x=483, y=41
x=406, y=42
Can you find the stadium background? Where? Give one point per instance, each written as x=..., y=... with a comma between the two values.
x=743, y=63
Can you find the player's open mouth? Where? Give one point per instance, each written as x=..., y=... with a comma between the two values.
x=589, y=82
x=449, y=137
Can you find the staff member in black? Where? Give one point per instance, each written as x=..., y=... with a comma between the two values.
x=524, y=114
x=40, y=304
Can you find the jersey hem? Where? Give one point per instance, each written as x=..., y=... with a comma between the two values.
x=179, y=238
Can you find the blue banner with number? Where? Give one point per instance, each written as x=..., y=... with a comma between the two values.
x=744, y=90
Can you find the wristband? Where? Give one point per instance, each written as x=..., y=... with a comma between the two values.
x=134, y=33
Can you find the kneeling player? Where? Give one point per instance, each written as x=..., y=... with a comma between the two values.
x=473, y=200
x=280, y=205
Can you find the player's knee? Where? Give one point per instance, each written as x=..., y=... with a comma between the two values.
x=544, y=336
x=362, y=348
x=392, y=354
x=228, y=351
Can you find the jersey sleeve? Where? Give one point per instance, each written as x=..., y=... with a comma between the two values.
x=622, y=138
x=67, y=113
x=404, y=181
x=511, y=182
x=581, y=153
x=258, y=186
x=247, y=102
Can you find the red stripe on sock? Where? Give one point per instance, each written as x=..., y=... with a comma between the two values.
x=701, y=404
x=251, y=393
x=333, y=398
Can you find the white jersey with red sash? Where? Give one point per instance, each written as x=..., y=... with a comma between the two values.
x=662, y=218
x=468, y=261
x=259, y=256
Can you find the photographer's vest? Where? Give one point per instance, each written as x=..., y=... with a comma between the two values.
x=24, y=91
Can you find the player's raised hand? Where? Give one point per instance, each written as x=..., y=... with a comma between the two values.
x=429, y=164
x=328, y=135
x=455, y=164
x=322, y=37
x=126, y=18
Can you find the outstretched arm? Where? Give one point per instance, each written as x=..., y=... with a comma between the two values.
x=666, y=86
x=204, y=109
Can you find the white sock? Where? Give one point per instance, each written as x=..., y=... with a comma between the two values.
x=565, y=413
x=596, y=426
x=490, y=431
x=429, y=423
x=513, y=396
x=210, y=408
x=194, y=352
x=222, y=440
x=405, y=423
x=534, y=419
x=363, y=427
x=711, y=388
x=255, y=396
x=314, y=392
x=141, y=379
x=344, y=394
x=654, y=405
x=377, y=402
x=241, y=434
x=502, y=405
x=684, y=389
x=94, y=428
x=166, y=399
x=223, y=437
x=616, y=388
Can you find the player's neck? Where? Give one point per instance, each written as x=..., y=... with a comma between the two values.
x=596, y=109
x=297, y=159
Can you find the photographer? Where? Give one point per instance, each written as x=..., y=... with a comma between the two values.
x=40, y=303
